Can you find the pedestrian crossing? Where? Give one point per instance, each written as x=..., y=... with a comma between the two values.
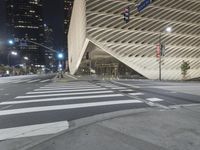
x=48, y=109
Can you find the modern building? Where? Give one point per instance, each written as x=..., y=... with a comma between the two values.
x=25, y=21
x=68, y=5
x=99, y=34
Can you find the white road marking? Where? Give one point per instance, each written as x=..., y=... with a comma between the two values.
x=60, y=99
x=135, y=94
x=49, y=89
x=75, y=83
x=20, y=81
x=66, y=91
x=45, y=81
x=126, y=90
x=65, y=107
x=72, y=77
x=125, y=84
x=33, y=130
x=63, y=94
x=75, y=86
x=32, y=81
x=154, y=99
x=118, y=88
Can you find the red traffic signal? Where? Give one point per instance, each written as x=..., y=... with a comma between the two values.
x=127, y=14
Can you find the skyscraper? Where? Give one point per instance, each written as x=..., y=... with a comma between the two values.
x=25, y=21
x=68, y=5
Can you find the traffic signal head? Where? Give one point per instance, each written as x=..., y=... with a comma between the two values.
x=127, y=14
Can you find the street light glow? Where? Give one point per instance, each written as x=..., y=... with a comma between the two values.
x=25, y=58
x=60, y=56
x=169, y=29
x=14, y=53
x=10, y=42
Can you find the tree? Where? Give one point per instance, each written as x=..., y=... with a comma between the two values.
x=184, y=69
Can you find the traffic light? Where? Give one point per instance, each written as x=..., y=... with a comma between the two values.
x=127, y=14
x=160, y=50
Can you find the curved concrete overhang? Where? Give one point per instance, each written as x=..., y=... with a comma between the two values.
x=134, y=43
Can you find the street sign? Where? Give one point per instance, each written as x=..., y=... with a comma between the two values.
x=23, y=43
x=142, y=5
x=158, y=51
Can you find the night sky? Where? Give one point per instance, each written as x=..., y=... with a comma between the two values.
x=53, y=15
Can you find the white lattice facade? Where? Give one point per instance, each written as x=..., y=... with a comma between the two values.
x=101, y=23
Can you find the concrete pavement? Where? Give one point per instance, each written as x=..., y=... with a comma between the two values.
x=155, y=129
x=101, y=100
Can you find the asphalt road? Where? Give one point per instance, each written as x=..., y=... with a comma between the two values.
x=10, y=87
x=39, y=106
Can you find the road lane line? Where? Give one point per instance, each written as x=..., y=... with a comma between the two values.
x=45, y=81
x=32, y=81
x=124, y=84
x=135, y=94
x=75, y=83
x=72, y=77
x=33, y=130
x=65, y=91
x=128, y=90
x=65, y=107
x=118, y=88
x=60, y=99
x=66, y=86
x=63, y=94
x=154, y=99
x=49, y=89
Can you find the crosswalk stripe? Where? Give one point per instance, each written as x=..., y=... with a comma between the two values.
x=45, y=81
x=118, y=88
x=74, y=88
x=63, y=94
x=68, y=86
x=33, y=130
x=65, y=91
x=128, y=90
x=32, y=81
x=135, y=94
x=60, y=99
x=154, y=99
x=65, y=107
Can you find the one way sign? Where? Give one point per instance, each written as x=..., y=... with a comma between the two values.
x=142, y=5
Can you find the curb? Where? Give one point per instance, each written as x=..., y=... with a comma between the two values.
x=76, y=124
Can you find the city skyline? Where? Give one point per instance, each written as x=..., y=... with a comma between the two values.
x=55, y=19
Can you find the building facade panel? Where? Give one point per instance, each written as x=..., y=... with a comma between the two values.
x=134, y=43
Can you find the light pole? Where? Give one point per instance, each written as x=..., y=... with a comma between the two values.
x=161, y=51
x=60, y=66
x=26, y=59
x=11, y=53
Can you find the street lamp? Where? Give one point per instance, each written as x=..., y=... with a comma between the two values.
x=11, y=42
x=14, y=53
x=26, y=58
x=161, y=50
x=11, y=53
x=60, y=56
x=168, y=29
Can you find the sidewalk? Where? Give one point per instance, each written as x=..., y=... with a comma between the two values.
x=177, y=129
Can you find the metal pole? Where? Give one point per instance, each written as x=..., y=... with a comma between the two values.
x=160, y=58
x=160, y=68
x=8, y=59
